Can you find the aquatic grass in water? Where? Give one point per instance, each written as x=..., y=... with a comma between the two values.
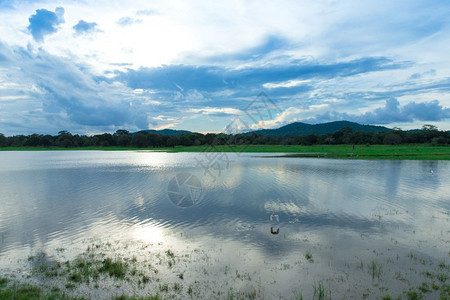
x=375, y=269
x=84, y=268
x=24, y=291
x=309, y=257
x=79, y=271
x=115, y=268
x=320, y=293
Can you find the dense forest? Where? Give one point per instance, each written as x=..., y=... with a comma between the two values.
x=429, y=134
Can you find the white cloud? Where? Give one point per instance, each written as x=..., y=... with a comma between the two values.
x=285, y=84
x=290, y=115
x=54, y=93
x=8, y=98
x=216, y=110
x=232, y=35
x=174, y=28
x=165, y=126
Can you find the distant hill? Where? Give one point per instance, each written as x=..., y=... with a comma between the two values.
x=167, y=131
x=299, y=128
x=294, y=129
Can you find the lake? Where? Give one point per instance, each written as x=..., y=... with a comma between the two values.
x=216, y=225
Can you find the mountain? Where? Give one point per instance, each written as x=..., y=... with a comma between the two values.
x=167, y=131
x=299, y=128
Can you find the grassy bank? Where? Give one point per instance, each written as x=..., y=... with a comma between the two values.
x=422, y=152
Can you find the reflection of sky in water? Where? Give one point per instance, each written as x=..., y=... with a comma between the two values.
x=48, y=192
x=64, y=196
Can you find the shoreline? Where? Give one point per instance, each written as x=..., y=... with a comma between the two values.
x=394, y=152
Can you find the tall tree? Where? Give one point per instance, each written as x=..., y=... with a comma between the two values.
x=3, y=140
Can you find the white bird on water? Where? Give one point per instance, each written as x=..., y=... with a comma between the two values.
x=274, y=216
x=431, y=172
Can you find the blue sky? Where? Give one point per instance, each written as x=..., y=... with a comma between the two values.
x=98, y=66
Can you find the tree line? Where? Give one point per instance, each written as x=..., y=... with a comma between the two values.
x=429, y=134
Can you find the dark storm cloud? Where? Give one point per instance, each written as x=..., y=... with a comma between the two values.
x=69, y=94
x=213, y=78
x=392, y=112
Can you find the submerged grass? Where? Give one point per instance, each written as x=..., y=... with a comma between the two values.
x=22, y=291
x=320, y=293
x=236, y=294
x=375, y=269
x=85, y=268
x=125, y=297
x=93, y=268
x=115, y=268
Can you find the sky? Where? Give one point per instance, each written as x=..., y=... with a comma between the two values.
x=98, y=66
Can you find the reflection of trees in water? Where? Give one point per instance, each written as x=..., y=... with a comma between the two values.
x=423, y=173
x=393, y=178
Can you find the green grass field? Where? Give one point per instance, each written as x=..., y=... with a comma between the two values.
x=424, y=152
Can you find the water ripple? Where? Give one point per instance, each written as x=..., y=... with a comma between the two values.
x=69, y=196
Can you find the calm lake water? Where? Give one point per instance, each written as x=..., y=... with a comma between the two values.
x=335, y=219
